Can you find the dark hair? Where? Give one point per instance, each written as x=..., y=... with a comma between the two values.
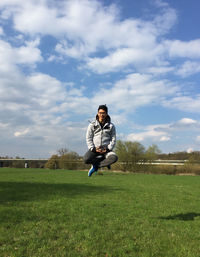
x=103, y=107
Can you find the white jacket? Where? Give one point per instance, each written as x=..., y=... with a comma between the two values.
x=97, y=136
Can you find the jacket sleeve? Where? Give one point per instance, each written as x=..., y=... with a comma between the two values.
x=113, y=139
x=89, y=137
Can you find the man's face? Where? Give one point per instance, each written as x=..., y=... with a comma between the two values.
x=102, y=115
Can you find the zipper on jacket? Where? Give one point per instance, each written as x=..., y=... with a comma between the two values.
x=102, y=133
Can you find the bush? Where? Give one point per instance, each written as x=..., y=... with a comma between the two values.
x=18, y=164
x=191, y=168
x=69, y=165
x=69, y=161
x=53, y=162
x=163, y=169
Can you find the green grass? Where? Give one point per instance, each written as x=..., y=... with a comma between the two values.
x=65, y=213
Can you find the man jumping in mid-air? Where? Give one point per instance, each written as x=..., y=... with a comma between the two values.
x=101, y=139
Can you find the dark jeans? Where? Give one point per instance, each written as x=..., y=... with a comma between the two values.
x=100, y=160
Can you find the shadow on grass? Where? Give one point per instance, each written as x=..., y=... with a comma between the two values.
x=24, y=201
x=25, y=191
x=182, y=216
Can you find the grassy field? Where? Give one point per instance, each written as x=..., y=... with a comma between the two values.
x=65, y=213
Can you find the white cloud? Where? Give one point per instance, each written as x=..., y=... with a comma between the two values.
x=190, y=49
x=66, y=19
x=125, y=42
x=184, y=103
x=38, y=107
x=166, y=19
x=10, y=56
x=42, y=141
x=3, y=125
x=164, y=138
x=121, y=58
x=159, y=70
x=161, y=133
x=149, y=135
x=134, y=91
x=21, y=133
x=46, y=90
x=187, y=121
x=28, y=54
x=1, y=31
x=180, y=125
x=35, y=18
x=35, y=111
x=188, y=68
x=119, y=119
x=101, y=29
x=190, y=150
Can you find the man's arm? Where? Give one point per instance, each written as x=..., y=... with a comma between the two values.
x=89, y=138
x=113, y=139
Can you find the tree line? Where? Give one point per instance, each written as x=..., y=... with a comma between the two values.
x=64, y=159
x=129, y=153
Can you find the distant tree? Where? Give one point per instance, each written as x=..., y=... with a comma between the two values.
x=62, y=151
x=180, y=156
x=194, y=157
x=152, y=153
x=65, y=160
x=130, y=153
x=53, y=162
x=68, y=160
x=121, y=151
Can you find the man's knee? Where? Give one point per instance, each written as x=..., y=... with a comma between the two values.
x=86, y=161
x=112, y=157
x=115, y=158
x=87, y=158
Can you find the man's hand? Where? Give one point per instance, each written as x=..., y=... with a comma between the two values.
x=100, y=150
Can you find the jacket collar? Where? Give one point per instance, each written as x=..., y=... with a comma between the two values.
x=107, y=121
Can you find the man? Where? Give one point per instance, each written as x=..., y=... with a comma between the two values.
x=101, y=139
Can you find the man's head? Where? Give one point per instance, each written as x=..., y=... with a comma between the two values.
x=102, y=112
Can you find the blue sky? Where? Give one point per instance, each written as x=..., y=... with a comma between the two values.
x=60, y=59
